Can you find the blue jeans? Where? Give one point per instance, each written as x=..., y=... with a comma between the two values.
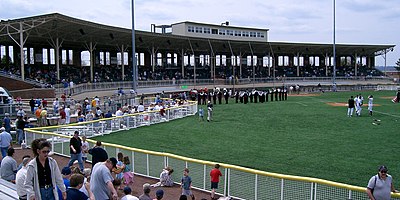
x=20, y=135
x=76, y=156
x=47, y=193
x=4, y=151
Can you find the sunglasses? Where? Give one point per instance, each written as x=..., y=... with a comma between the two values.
x=383, y=172
x=45, y=152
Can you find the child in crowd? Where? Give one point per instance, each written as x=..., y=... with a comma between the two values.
x=85, y=149
x=214, y=174
x=186, y=184
x=73, y=192
x=201, y=114
x=127, y=174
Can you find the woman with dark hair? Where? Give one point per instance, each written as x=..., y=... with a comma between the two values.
x=43, y=174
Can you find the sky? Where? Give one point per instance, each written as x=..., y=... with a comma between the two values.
x=311, y=21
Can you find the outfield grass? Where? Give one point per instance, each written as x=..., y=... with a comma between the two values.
x=302, y=136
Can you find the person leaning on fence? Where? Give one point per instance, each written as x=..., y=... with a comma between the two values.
x=380, y=185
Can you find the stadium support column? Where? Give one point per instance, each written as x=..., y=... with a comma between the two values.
x=122, y=50
x=298, y=64
x=21, y=46
x=56, y=45
x=212, y=63
x=91, y=47
x=182, y=63
x=327, y=63
x=355, y=65
x=153, y=59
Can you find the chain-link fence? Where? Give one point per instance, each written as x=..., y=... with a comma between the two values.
x=237, y=182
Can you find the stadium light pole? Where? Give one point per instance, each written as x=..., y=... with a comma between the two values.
x=134, y=67
x=334, y=42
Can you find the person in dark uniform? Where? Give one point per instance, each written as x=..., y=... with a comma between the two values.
x=226, y=96
x=276, y=94
x=280, y=91
x=266, y=95
x=204, y=98
x=241, y=94
x=251, y=96
x=262, y=96
x=214, y=97
x=209, y=97
x=219, y=93
x=272, y=92
x=236, y=96
x=246, y=97
x=256, y=95
x=199, y=98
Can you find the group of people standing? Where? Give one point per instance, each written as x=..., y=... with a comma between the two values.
x=357, y=103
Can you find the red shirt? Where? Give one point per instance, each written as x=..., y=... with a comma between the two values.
x=62, y=114
x=215, y=174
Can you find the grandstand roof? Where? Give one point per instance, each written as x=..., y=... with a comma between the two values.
x=75, y=33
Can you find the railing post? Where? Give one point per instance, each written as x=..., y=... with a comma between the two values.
x=229, y=183
x=133, y=161
x=204, y=176
x=350, y=195
x=62, y=147
x=282, y=189
x=312, y=191
x=116, y=152
x=256, y=187
x=147, y=165
x=226, y=181
x=52, y=142
x=315, y=191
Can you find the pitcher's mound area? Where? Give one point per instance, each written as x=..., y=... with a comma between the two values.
x=345, y=104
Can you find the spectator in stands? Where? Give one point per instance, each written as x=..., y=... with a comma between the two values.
x=67, y=111
x=22, y=163
x=37, y=114
x=20, y=179
x=214, y=174
x=146, y=192
x=186, y=183
x=32, y=105
x=5, y=141
x=20, y=112
x=43, y=116
x=165, y=178
x=85, y=149
x=62, y=116
x=75, y=145
x=380, y=185
x=20, y=126
x=101, y=180
x=56, y=105
x=8, y=168
x=73, y=192
x=7, y=122
x=159, y=194
x=43, y=174
x=98, y=154
x=128, y=194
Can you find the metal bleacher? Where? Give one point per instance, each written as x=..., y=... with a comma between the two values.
x=8, y=191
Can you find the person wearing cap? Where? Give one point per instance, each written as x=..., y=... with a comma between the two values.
x=43, y=174
x=20, y=178
x=75, y=145
x=101, y=180
x=7, y=122
x=380, y=185
x=8, y=168
x=5, y=141
x=128, y=194
x=159, y=194
x=146, y=192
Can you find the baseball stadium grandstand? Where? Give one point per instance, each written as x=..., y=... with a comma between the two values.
x=74, y=63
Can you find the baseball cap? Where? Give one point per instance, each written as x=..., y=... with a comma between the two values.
x=160, y=193
x=66, y=171
x=2, y=129
x=127, y=190
x=114, y=161
x=383, y=168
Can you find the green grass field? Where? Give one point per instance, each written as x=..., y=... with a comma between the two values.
x=302, y=136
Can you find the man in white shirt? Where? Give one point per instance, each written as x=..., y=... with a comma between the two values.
x=67, y=111
x=141, y=108
x=20, y=179
x=128, y=196
x=119, y=112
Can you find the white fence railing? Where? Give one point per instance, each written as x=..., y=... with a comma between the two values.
x=237, y=182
